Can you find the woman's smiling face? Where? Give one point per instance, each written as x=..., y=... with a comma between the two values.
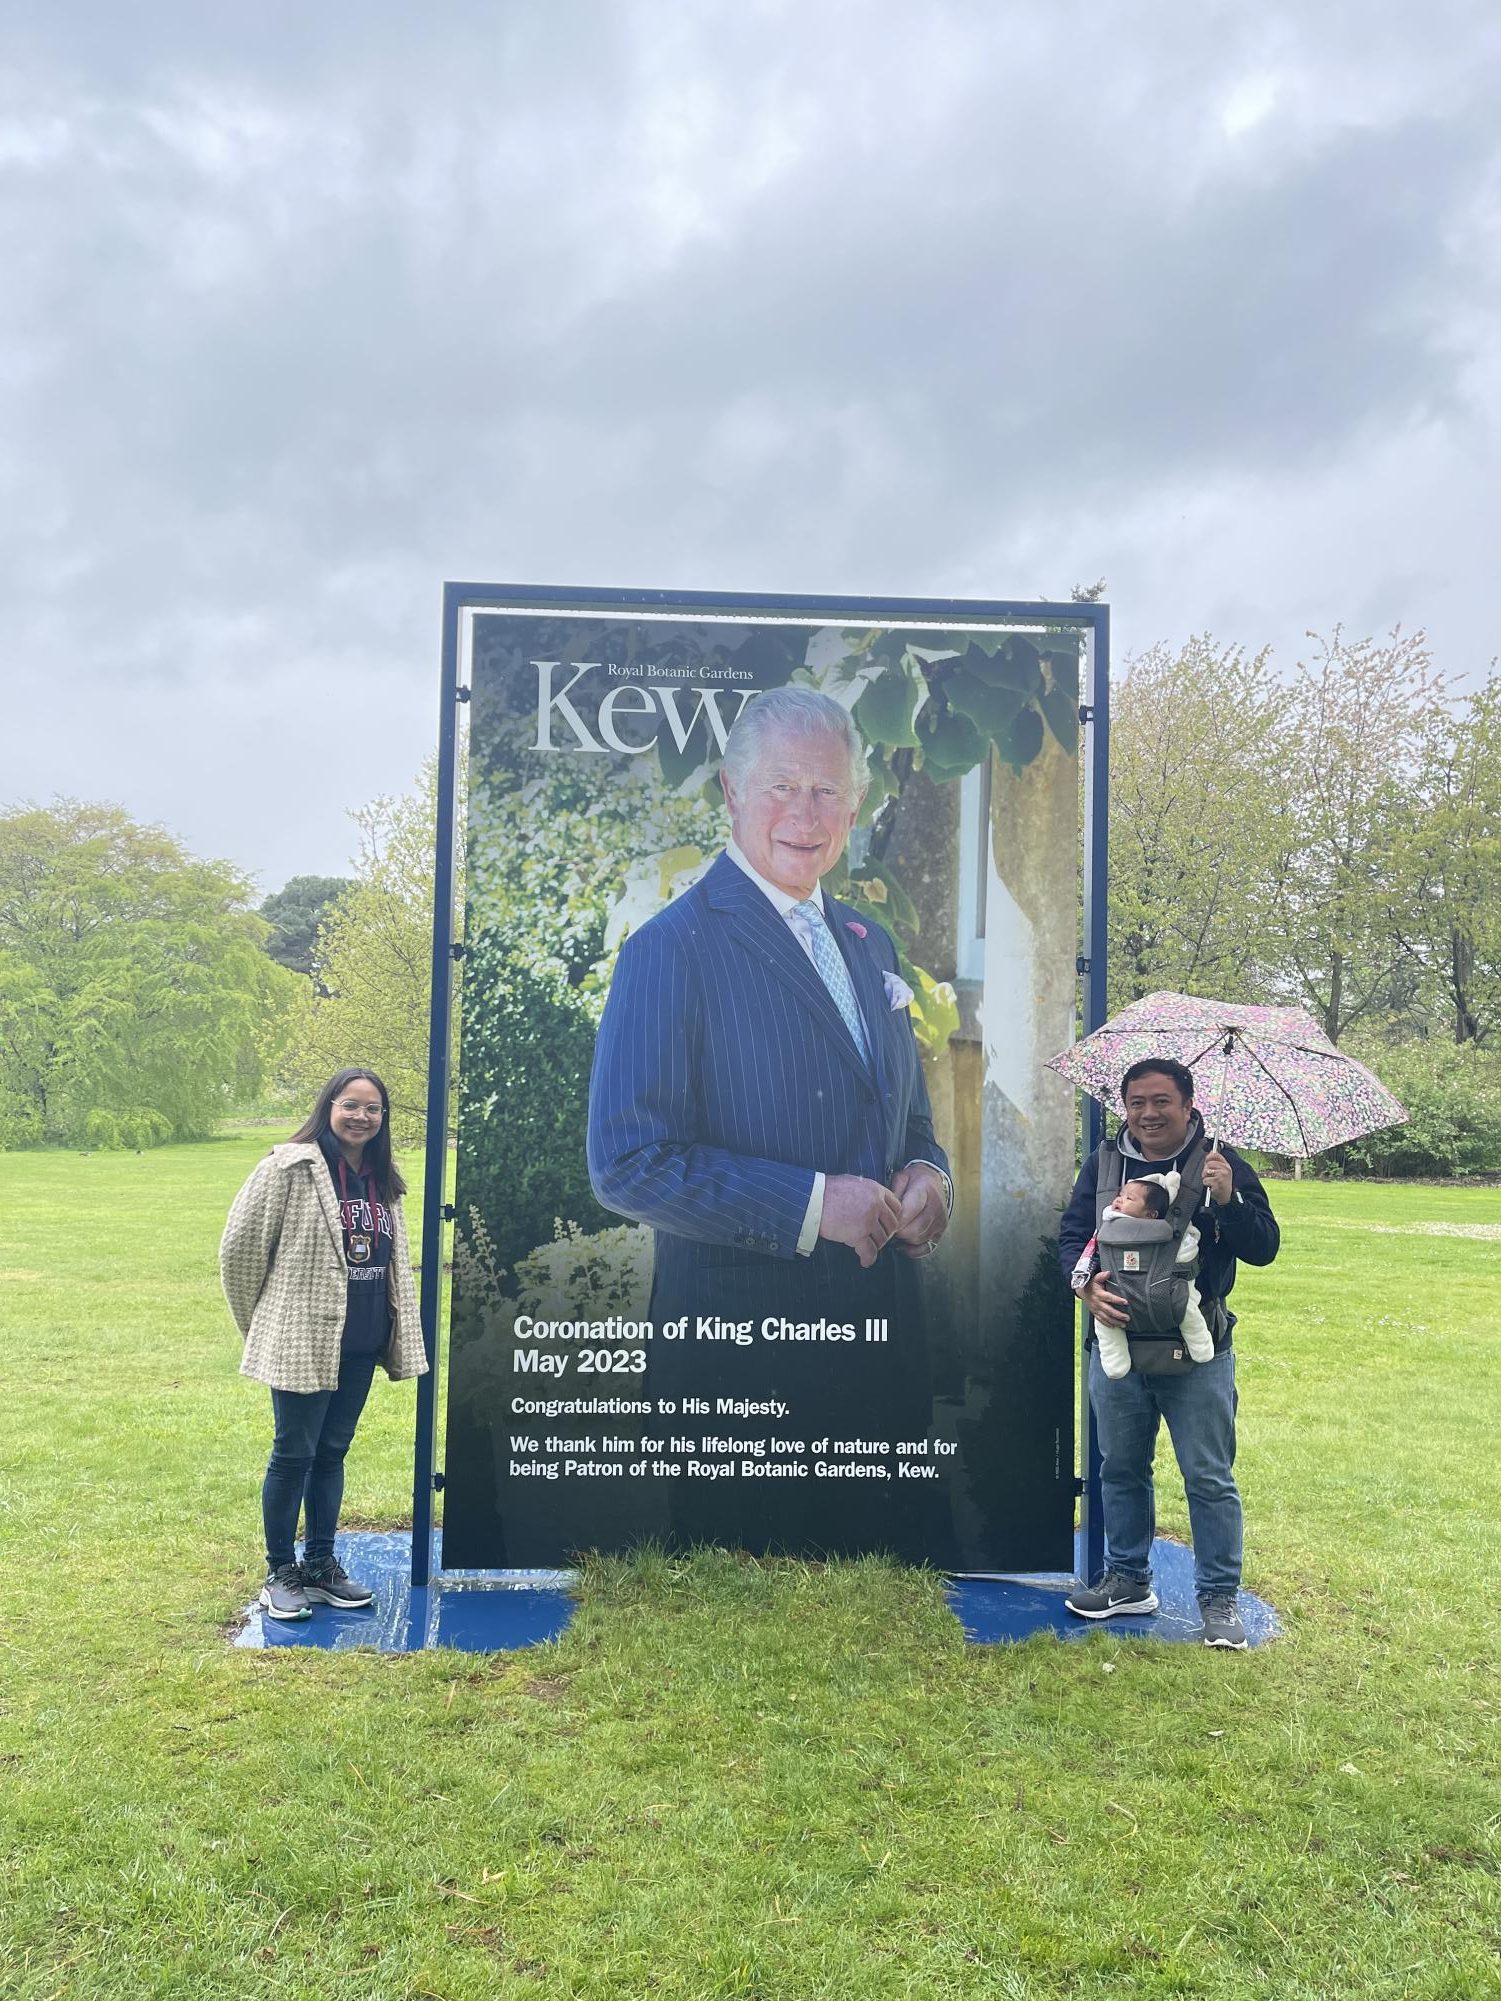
x=355, y=1115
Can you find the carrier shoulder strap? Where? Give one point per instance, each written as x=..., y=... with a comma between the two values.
x=1190, y=1192
x=1108, y=1177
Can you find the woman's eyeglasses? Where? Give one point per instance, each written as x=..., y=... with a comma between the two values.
x=352, y=1108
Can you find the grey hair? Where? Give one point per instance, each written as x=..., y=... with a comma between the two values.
x=794, y=712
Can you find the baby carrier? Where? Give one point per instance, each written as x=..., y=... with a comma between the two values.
x=1140, y=1253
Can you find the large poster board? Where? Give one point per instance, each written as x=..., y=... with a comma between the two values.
x=661, y=1080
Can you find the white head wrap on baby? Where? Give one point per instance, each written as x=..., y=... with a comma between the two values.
x=1170, y=1180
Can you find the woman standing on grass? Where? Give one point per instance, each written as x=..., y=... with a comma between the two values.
x=319, y=1279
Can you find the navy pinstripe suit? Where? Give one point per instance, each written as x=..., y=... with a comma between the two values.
x=724, y=1078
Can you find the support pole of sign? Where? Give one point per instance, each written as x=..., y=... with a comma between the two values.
x=424, y=1477
x=1096, y=717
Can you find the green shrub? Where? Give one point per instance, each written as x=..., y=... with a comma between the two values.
x=1453, y=1100
x=132, y=1125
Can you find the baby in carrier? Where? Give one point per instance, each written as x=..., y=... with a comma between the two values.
x=1133, y=1246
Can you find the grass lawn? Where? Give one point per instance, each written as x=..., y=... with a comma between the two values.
x=733, y=1779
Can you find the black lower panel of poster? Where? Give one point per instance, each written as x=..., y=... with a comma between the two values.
x=810, y=1437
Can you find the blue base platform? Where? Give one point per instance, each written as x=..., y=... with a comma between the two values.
x=992, y=1609
x=477, y=1611
x=492, y=1612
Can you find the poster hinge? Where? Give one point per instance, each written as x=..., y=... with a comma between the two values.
x=1086, y=712
x=1078, y=1484
x=461, y=694
x=437, y=1483
x=1082, y=966
x=458, y=951
x=449, y=1212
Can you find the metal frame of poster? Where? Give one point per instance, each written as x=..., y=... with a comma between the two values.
x=742, y=1388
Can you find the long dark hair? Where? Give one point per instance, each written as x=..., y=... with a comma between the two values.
x=376, y=1158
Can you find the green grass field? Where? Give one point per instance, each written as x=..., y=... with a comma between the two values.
x=731, y=1779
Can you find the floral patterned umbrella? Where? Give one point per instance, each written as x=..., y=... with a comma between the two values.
x=1266, y=1077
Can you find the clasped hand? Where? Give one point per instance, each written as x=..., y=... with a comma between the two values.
x=866, y=1216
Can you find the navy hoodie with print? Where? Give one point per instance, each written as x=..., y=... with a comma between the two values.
x=366, y=1222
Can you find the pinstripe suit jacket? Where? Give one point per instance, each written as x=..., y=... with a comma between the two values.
x=724, y=1078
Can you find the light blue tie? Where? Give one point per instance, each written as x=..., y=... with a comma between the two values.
x=834, y=974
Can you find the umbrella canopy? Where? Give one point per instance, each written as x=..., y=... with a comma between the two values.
x=1266, y=1077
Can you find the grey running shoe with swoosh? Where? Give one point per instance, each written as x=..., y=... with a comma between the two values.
x=1112, y=1596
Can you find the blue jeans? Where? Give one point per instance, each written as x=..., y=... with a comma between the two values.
x=306, y=1469
x=1200, y=1410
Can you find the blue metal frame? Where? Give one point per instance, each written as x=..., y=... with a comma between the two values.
x=1094, y=970
x=434, y=1192
x=461, y=598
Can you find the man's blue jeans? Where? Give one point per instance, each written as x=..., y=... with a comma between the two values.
x=306, y=1470
x=1199, y=1407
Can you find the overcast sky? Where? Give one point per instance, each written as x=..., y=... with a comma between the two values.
x=306, y=308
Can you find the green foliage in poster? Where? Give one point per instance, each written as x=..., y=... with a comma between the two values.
x=883, y=785
x=528, y=1045
x=950, y=741
x=886, y=712
x=935, y=1011
x=877, y=889
x=988, y=702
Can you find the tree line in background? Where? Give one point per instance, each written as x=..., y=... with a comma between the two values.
x=1332, y=841
x=137, y=1002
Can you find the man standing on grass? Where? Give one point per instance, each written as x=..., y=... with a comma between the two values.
x=1163, y=1131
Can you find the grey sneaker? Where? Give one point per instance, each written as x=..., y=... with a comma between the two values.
x=332, y=1585
x=1113, y=1594
x=1222, y=1622
x=282, y=1595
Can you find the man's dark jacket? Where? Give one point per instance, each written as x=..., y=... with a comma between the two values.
x=1244, y=1228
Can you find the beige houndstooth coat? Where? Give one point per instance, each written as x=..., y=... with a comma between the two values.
x=287, y=1282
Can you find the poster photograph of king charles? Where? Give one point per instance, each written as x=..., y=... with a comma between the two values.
x=757, y=1097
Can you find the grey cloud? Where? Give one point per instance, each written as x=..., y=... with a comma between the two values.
x=315, y=307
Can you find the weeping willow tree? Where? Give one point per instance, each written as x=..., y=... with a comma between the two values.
x=137, y=1003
